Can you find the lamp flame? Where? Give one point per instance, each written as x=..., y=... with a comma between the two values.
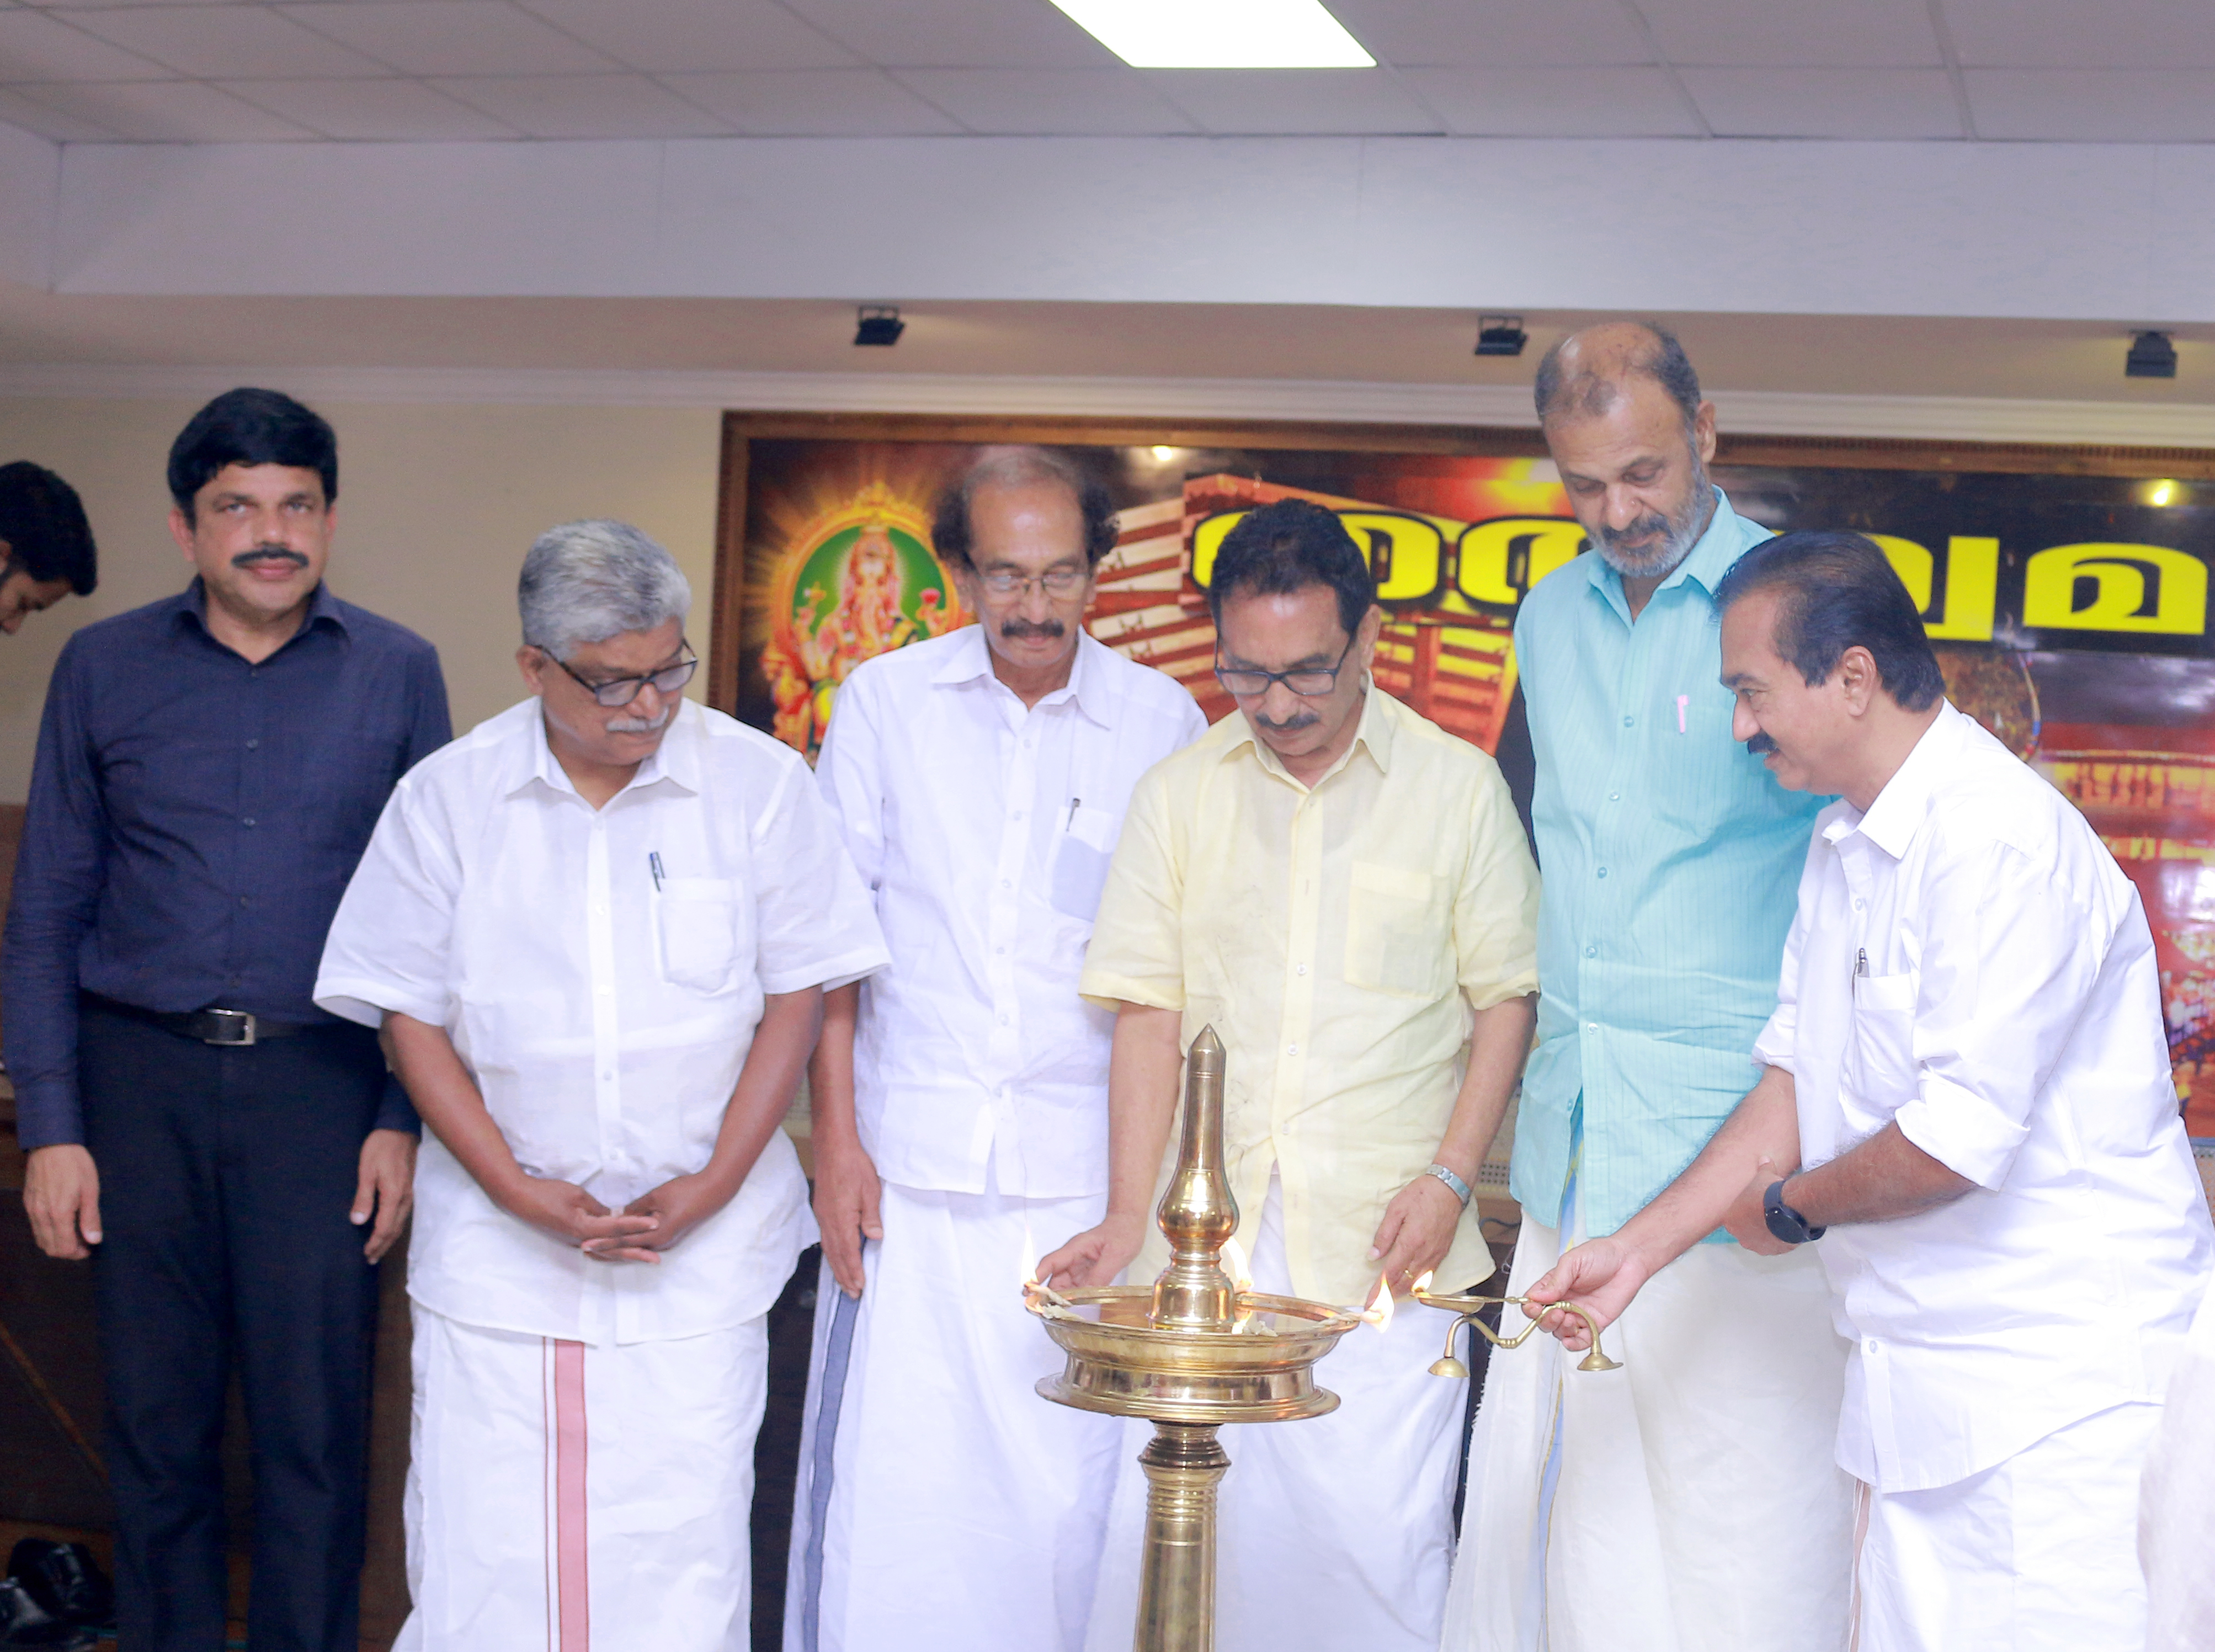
x=1423, y=1284
x=1029, y=1262
x=1378, y=1313
x=1234, y=1264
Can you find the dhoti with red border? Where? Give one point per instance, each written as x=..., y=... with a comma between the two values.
x=580, y=1498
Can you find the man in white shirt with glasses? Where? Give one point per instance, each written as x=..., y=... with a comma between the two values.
x=1965, y=1107
x=596, y=931
x=960, y=1098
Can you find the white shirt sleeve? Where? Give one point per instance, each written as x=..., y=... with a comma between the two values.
x=850, y=772
x=389, y=947
x=816, y=924
x=1773, y=1049
x=2011, y=949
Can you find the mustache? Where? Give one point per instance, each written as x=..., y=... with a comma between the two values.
x=1761, y=745
x=268, y=554
x=1291, y=725
x=1045, y=630
x=639, y=725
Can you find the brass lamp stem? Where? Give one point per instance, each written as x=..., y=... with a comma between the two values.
x=1184, y=1463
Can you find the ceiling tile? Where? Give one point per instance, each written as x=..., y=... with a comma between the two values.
x=814, y=103
x=32, y=116
x=2125, y=106
x=2073, y=34
x=1484, y=32
x=168, y=111
x=1894, y=34
x=452, y=37
x=585, y=106
x=372, y=110
x=33, y=46
x=1544, y=102
x=1293, y=100
x=695, y=36
x=1058, y=100
x=1826, y=102
x=225, y=42
x=957, y=34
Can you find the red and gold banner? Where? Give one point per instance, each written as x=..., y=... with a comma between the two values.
x=2069, y=611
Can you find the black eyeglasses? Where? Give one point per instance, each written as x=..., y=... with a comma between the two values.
x=1309, y=682
x=623, y=689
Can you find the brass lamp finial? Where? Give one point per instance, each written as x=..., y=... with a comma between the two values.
x=1197, y=1214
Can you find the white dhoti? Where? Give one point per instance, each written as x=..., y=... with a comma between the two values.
x=2176, y=1503
x=1334, y=1532
x=580, y=1498
x=2038, y=1554
x=942, y=1503
x=1690, y=1501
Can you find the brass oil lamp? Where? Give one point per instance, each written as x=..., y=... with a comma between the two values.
x=1189, y=1353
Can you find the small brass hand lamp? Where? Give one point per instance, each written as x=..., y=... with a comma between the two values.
x=1465, y=1309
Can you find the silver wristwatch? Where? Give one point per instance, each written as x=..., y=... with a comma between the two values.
x=1459, y=1188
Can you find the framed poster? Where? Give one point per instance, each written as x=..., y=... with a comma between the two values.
x=2065, y=589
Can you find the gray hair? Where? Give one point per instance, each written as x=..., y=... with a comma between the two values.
x=587, y=581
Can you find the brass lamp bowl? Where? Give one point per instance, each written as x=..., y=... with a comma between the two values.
x=1122, y=1362
x=1465, y=1309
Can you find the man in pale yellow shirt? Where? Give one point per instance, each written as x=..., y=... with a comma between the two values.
x=1343, y=891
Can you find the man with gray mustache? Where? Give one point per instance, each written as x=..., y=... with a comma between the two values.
x=596, y=931
x=1688, y=1502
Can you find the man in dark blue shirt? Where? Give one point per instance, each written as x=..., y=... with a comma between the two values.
x=210, y=768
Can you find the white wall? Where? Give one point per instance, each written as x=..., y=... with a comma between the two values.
x=2113, y=231
x=437, y=505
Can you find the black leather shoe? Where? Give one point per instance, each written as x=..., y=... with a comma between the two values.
x=24, y=1622
x=66, y=1581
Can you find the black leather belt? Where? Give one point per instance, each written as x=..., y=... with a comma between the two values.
x=236, y=1028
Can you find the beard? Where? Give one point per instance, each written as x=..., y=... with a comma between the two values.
x=1662, y=539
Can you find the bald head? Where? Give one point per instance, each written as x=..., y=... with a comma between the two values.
x=1587, y=373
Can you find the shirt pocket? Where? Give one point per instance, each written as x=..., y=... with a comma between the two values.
x=697, y=921
x=1880, y=1056
x=1082, y=850
x=1396, y=932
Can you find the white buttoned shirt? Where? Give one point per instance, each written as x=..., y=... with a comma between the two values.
x=604, y=1012
x=1967, y=961
x=984, y=831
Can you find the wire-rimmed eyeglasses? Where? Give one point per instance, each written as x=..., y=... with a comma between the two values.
x=623, y=689
x=1309, y=682
x=1062, y=581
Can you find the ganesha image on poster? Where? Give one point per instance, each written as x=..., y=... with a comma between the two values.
x=858, y=579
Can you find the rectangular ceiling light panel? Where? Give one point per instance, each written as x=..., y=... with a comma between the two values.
x=1220, y=33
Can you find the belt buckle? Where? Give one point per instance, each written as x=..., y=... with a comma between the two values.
x=228, y=1022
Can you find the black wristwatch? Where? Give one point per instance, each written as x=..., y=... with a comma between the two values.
x=1786, y=1222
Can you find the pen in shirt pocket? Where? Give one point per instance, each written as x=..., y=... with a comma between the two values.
x=654, y=865
x=1070, y=825
x=1683, y=700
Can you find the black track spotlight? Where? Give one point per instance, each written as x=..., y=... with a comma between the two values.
x=2152, y=356
x=879, y=324
x=1500, y=335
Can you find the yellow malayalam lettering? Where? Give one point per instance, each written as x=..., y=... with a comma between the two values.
x=1404, y=552
x=1971, y=592
x=2115, y=588
x=1488, y=569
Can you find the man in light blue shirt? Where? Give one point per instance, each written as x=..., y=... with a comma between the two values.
x=1689, y=1503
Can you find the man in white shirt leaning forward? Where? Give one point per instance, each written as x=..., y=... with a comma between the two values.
x=960, y=1097
x=1965, y=1104
x=596, y=930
